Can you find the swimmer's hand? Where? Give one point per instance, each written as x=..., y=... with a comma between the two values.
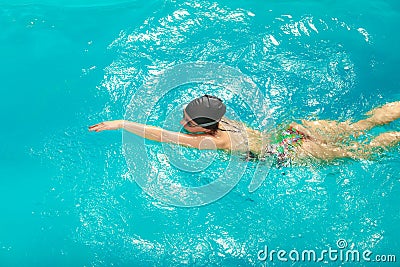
x=107, y=125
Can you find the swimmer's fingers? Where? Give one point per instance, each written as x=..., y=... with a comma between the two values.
x=106, y=125
x=98, y=127
x=90, y=127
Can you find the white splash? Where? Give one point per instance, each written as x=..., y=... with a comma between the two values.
x=364, y=33
x=273, y=40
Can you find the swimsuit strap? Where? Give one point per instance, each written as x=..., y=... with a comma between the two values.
x=234, y=131
x=230, y=130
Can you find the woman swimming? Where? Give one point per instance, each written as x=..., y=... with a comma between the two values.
x=325, y=140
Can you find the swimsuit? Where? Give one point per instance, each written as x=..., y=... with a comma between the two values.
x=284, y=146
x=281, y=147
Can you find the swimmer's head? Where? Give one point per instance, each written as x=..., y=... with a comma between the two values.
x=203, y=113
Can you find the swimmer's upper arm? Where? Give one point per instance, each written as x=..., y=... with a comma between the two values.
x=199, y=141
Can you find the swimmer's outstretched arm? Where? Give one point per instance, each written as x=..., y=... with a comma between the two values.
x=199, y=141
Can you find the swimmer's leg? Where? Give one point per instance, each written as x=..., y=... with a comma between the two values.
x=325, y=131
x=328, y=131
x=379, y=116
x=326, y=152
x=385, y=140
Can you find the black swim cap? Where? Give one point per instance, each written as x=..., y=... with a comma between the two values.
x=206, y=110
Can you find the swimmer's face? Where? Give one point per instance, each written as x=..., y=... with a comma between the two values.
x=190, y=125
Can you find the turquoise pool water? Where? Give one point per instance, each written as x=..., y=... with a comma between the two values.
x=68, y=197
